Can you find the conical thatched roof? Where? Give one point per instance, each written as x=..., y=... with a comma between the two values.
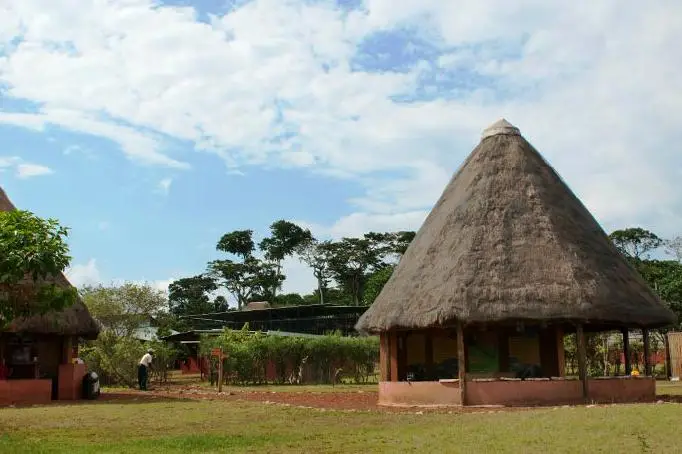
x=74, y=321
x=508, y=241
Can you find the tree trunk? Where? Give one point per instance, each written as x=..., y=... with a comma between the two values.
x=274, y=287
x=320, y=290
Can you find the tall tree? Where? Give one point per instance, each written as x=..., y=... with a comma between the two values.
x=246, y=279
x=635, y=242
x=317, y=256
x=351, y=259
x=34, y=252
x=123, y=309
x=239, y=243
x=285, y=237
x=375, y=283
x=192, y=296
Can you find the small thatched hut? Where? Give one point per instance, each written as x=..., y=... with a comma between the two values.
x=39, y=350
x=507, y=263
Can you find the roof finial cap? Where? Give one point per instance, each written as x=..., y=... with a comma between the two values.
x=501, y=126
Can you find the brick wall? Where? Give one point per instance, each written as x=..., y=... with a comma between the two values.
x=25, y=392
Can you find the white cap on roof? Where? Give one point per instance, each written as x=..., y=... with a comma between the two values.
x=501, y=126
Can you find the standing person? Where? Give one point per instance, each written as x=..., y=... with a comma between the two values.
x=143, y=369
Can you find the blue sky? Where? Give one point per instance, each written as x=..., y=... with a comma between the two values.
x=152, y=128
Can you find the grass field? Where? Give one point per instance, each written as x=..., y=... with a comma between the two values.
x=183, y=426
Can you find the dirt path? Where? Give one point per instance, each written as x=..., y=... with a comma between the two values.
x=344, y=401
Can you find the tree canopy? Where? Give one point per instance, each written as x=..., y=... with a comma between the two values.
x=35, y=253
x=125, y=308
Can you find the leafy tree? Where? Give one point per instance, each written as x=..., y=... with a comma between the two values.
x=663, y=276
x=635, y=242
x=34, y=252
x=288, y=299
x=239, y=243
x=244, y=280
x=375, y=283
x=248, y=278
x=221, y=304
x=317, y=256
x=123, y=309
x=284, y=240
x=350, y=261
x=191, y=296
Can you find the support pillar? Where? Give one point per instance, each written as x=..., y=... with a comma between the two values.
x=560, y=351
x=626, y=351
x=668, y=365
x=461, y=359
x=384, y=363
x=428, y=354
x=647, y=352
x=503, y=351
x=67, y=350
x=393, y=355
x=582, y=359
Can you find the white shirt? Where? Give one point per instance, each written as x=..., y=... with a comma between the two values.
x=146, y=360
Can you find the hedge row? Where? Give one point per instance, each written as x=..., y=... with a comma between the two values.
x=327, y=358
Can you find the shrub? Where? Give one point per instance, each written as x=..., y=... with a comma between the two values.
x=115, y=358
x=248, y=355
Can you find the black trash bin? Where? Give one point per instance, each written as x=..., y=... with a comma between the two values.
x=91, y=386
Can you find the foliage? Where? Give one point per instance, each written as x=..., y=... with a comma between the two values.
x=192, y=295
x=246, y=279
x=352, y=260
x=316, y=255
x=34, y=252
x=288, y=299
x=239, y=243
x=286, y=237
x=123, y=309
x=635, y=242
x=375, y=283
x=115, y=358
x=249, y=353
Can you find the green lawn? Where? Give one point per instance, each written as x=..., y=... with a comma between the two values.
x=217, y=427
x=672, y=388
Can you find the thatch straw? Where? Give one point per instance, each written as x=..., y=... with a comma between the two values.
x=509, y=241
x=73, y=321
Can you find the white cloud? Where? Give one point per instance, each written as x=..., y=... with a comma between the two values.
x=32, y=170
x=299, y=277
x=23, y=169
x=164, y=186
x=595, y=88
x=82, y=275
x=89, y=274
x=8, y=162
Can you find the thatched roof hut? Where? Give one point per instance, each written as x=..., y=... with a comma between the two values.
x=508, y=241
x=73, y=321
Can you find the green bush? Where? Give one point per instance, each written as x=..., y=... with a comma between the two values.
x=328, y=357
x=115, y=359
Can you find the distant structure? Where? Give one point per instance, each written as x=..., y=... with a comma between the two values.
x=306, y=319
x=507, y=263
x=257, y=306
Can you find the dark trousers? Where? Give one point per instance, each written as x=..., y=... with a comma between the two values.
x=142, y=376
